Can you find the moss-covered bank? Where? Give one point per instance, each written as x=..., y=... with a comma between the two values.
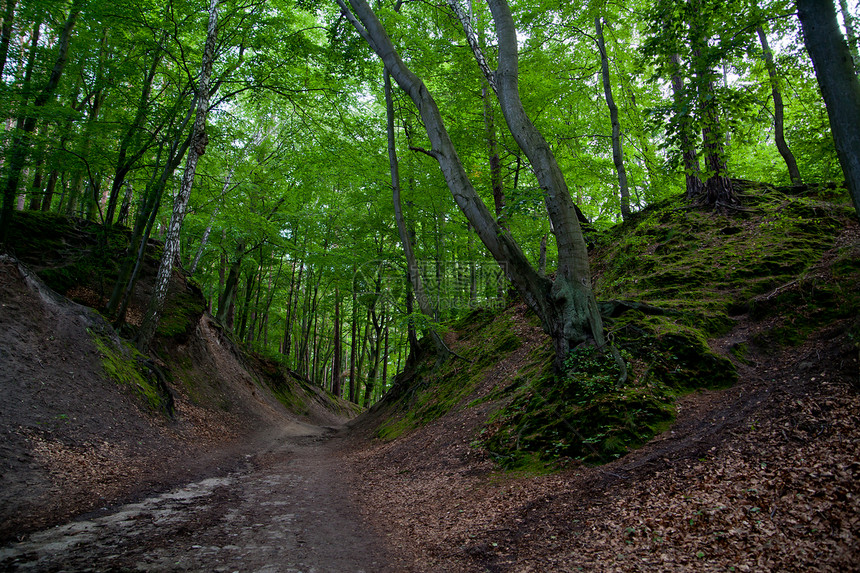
x=692, y=275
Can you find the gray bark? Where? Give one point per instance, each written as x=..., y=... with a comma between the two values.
x=851, y=32
x=839, y=85
x=778, y=111
x=570, y=311
x=198, y=147
x=474, y=44
x=567, y=306
x=617, y=150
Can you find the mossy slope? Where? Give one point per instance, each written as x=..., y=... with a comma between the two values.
x=697, y=272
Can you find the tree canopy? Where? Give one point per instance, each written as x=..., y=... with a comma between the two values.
x=550, y=119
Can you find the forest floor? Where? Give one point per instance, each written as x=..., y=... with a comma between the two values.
x=762, y=476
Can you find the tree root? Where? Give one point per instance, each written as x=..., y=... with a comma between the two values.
x=161, y=384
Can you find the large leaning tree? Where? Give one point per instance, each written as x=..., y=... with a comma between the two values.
x=566, y=304
x=840, y=88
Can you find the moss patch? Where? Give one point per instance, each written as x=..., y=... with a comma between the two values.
x=484, y=338
x=711, y=266
x=586, y=414
x=122, y=363
x=182, y=310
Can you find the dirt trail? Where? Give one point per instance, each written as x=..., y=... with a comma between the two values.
x=287, y=508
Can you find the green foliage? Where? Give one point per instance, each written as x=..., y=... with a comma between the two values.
x=294, y=185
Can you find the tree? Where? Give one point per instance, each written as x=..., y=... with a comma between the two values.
x=682, y=44
x=778, y=110
x=617, y=149
x=198, y=148
x=838, y=83
x=20, y=143
x=851, y=32
x=412, y=269
x=566, y=306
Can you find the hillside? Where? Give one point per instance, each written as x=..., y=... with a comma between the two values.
x=86, y=421
x=732, y=444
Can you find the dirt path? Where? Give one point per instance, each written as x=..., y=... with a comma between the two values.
x=286, y=509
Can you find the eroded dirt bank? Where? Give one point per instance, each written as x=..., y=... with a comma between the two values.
x=287, y=508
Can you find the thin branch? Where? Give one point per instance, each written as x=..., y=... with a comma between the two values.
x=430, y=153
x=472, y=39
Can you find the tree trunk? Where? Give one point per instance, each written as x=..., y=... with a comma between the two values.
x=205, y=238
x=20, y=145
x=542, y=259
x=250, y=279
x=288, y=327
x=48, y=197
x=338, y=347
x=272, y=286
x=144, y=221
x=495, y=161
x=411, y=264
x=228, y=294
x=35, y=187
x=838, y=83
x=198, y=147
x=122, y=216
x=778, y=111
x=617, y=150
x=567, y=307
x=851, y=32
x=353, y=345
x=692, y=173
x=138, y=261
x=375, y=348
x=569, y=313
x=6, y=33
x=718, y=188
x=36, y=194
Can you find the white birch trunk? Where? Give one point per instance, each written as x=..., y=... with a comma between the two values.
x=197, y=148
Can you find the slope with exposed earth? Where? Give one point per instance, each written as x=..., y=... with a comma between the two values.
x=86, y=421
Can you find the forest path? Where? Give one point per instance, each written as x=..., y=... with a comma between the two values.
x=286, y=509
